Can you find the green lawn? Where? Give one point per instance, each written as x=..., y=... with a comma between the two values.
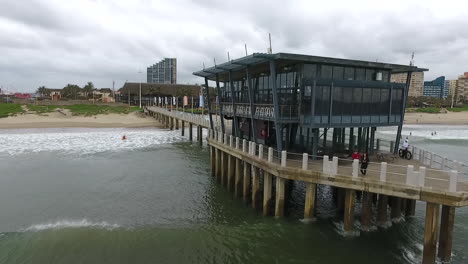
x=458, y=109
x=40, y=109
x=91, y=110
x=9, y=109
x=427, y=110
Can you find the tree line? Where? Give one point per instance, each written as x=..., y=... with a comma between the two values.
x=71, y=91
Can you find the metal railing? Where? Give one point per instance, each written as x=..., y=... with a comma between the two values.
x=437, y=179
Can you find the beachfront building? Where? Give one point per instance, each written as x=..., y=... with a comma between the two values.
x=436, y=88
x=416, y=82
x=293, y=101
x=462, y=89
x=164, y=72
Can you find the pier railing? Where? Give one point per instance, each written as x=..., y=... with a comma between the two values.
x=432, y=163
x=441, y=180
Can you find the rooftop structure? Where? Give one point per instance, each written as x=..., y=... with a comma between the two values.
x=276, y=99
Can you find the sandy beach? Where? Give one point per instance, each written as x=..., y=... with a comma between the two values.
x=450, y=118
x=56, y=120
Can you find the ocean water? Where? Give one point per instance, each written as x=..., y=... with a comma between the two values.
x=85, y=196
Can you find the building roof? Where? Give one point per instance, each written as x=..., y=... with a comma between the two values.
x=288, y=58
x=157, y=89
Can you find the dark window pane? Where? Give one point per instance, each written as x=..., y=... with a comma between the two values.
x=370, y=75
x=338, y=72
x=326, y=72
x=360, y=74
x=349, y=73
x=310, y=71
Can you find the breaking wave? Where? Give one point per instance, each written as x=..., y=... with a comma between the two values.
x=83, y=140
x=62, y=224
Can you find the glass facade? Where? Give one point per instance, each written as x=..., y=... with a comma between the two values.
x=322, y=95
x=436, y=88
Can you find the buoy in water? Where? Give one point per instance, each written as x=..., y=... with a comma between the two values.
x=124, y=137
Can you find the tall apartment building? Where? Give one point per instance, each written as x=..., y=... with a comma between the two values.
x=436, y=88
x=416, y=84
x=462, y=89
x=164, y=71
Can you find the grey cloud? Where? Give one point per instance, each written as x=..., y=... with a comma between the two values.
x=58, y=42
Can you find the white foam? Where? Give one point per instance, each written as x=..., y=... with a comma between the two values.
x=70, y=224
x=83, y=141
x=427, y=131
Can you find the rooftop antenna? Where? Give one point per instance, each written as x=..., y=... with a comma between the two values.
x=229, y=59
x=203, y=65
x=246, y=49
x=411, y=63
x=214, y=59
x=270, y=51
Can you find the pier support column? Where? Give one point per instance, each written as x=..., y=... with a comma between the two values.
x=230, y=173
x=246, y=188
x=366, y=214
x=213, y=161
x=190, y=132
x=176, y=124
x=223, y=168
x=340, y=200
x=309, y=208
x=410, y=209
x=267, y=193
x=396, y=207
x=446, y=233
x=172, y=123
x=182, y=131
x=382, y=209
x=280, y=190
x=238, y=179
x=350, y=200
x=256, y=193
x=217, y=162
x=200, y=135
x=431, y=231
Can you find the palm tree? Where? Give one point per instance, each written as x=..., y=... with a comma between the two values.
x=88, y=88
x=42, y=91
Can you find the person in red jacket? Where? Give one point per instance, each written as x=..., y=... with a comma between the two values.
x=356, y=155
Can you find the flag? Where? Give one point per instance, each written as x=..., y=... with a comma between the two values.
x=173, y=100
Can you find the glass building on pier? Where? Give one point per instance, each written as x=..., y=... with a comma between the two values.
x=292, y=101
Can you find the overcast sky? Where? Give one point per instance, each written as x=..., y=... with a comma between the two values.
x=56, y=42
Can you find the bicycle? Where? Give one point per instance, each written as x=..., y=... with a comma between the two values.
x=405, y=154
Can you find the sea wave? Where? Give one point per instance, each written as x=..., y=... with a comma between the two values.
x=83, y=141
x=62, y=224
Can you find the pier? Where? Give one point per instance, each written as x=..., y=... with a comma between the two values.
x=260, y=175
x=278, y=119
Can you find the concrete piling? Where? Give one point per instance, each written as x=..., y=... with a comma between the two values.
x=190, y=131
x=182, y=131
x=310, y=196
x=280, y=191
x=431, y=231
x=382, y=205
x=350, y=199
x=366, y=214
x=396, y=207
x=446, y=233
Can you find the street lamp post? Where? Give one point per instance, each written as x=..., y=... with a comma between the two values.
x=140, y=87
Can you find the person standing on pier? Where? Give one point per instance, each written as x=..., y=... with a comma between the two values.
x=364, y=163
x=356, y=155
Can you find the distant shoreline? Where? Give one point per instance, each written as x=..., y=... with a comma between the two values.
x=449, y=118
x=57, y=120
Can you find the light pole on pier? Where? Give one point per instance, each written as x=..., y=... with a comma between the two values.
x=140, y=86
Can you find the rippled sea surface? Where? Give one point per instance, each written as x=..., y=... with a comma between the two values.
x=86, y=196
